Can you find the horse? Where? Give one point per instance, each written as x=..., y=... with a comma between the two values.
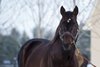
x=59, y=54
x=39, y=46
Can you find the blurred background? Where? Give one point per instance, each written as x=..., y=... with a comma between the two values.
x=21, y=20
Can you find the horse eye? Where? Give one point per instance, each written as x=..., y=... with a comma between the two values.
x=68, y=20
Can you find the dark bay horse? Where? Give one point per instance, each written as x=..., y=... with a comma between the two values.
x=45, y=53
x=59, y=54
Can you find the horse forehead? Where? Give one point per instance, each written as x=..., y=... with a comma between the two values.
x=69, y=14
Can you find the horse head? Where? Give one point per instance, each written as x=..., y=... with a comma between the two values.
x=68, y=21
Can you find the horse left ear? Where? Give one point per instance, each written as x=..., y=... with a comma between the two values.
x=62, y=11
x=75, y=11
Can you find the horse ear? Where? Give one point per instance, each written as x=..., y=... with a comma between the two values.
x=62, y=10
x=75, y=11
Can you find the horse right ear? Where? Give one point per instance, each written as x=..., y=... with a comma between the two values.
x=75, y=11
x=62, y=10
